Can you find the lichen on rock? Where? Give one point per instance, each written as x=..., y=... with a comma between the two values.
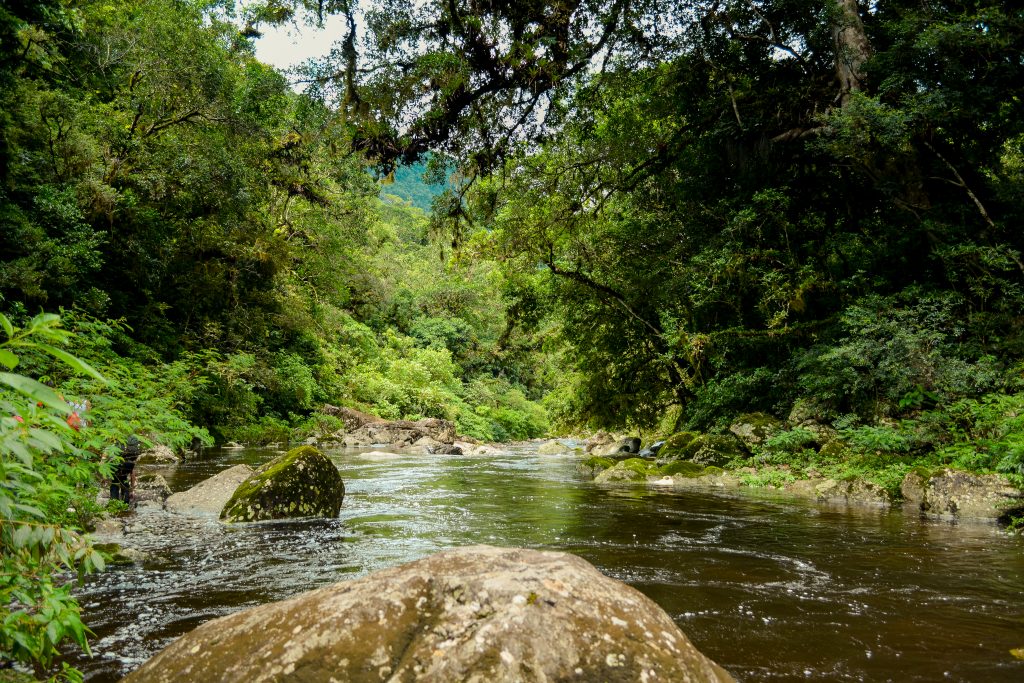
x=301, y=483
x=470, y=614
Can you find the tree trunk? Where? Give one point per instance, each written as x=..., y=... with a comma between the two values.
x=852, y=49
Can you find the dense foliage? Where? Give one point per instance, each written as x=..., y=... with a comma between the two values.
x=733, y=205
x=220, y=246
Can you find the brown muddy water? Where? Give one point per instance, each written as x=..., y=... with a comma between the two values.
x=770, y=588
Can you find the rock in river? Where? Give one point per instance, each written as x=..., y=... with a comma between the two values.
x=474, y=614
x=301, y=483
x=210, y=495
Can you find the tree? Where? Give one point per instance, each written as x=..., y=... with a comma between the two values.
x=709, y=185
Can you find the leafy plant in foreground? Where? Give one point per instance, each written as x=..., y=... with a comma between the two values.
x=39, y=461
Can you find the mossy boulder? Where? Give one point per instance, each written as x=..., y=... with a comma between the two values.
x=594, y=465
x=703, y=449
x=753, y=429
x=674, y=446
x=834, y=450
x=119, y=555
x=301, y=483
x=633, y=469
x=683, y=468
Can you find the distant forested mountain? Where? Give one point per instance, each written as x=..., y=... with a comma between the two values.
x=408, y=184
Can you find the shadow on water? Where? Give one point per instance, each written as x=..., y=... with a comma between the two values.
x=770, y=588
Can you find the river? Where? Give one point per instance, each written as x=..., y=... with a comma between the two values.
x=770, y=588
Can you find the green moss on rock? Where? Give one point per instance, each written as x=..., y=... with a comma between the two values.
x=638, y=465
x=683, y=468
x=753, y=429
x=301, y=483
x=675, y=444
x=598, y=463
x=834, y=450
x=714, y=449
x=713, y=471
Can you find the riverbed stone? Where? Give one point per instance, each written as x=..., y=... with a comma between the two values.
x=209, y=496
x=301, y=483
x=553, y=447
x=622, y=447
x=401, y=433
x=476, y=614
x=353, y=419
x=851, y=491
x=753, y=429
x=158, y=456
x=631, y=469
x=953, y=492
x=598, y=441
x=150, y=490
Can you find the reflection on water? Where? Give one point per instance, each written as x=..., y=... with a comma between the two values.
x=769, y=588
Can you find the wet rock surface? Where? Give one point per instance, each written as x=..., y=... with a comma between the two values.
x=474, y=614
x=301, y=483
x=151, y=489
x=209, y=496
x=953, y=492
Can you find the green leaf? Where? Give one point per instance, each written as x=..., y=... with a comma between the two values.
x=29, y=510
x=9, y=359
x=21, y=535
x=6, y=324
x=54, y=631
x=35, y=391
x=75, y=363
x=97, y=561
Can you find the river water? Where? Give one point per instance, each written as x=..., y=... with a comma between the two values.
x=770, y=588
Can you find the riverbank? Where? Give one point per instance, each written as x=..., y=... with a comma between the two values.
x=812, y=461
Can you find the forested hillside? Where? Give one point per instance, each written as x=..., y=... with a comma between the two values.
x=214, y=237
x=809, y=209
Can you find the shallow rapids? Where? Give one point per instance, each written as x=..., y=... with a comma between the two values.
x=771, y=589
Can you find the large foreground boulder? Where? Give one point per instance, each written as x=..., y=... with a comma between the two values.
x=301, y=483
x=209, y=496
x=475, y=615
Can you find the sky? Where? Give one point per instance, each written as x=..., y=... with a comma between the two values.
x=288, y=45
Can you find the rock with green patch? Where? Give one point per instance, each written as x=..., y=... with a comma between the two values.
x=632, y=469
x=119, y=555
x=473, y=614
x=158, y=456
x=150, y=490
x=301, y=483
x=704, y=449
x=682, y=468
x=594, y=465
x=753, y=429
x=674, y=446
x=553, y=447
